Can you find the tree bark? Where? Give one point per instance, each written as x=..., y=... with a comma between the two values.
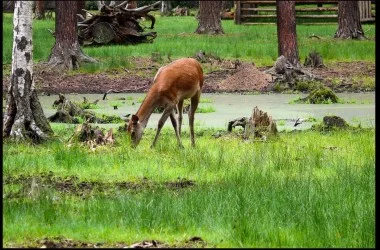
x=165, y=8
x=286, y=31
x=349, y=26
x=23, y=115
x=209, y=18
x=67, y=53
x=40, y=10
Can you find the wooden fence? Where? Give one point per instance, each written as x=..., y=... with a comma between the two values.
x=253, y=11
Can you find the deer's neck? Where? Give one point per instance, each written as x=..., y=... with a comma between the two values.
x=146, y=109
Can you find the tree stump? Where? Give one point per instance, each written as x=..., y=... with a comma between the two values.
x=320, y=95
x=314, y=60
x=93, y=137
x=334, y=121
x=285, y=73
x=260, y=125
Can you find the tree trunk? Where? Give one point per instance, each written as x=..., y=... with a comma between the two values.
x=349, y=25
x=23, y=115
x=40, y=10
x=165, y=8
x=66, y=52
x=286, y=31
x=209, y=18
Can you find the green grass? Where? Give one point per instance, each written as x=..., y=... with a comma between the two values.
x=176, y=38
x=205, y=109
x=286, y=192
x=116, y=103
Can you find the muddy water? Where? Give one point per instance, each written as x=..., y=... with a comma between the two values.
x=231, y=106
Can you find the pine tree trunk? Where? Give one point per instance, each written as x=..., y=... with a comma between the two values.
x=349, y=25
x=286, y=31
x=40, y=10
x=23, y=115
x=209, y=18
x=66, y=52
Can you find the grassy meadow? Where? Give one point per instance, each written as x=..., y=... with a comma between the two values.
x=308, y=189
x=299, y=189
x=176, y=38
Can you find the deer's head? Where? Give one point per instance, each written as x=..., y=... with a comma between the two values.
x=135, y=130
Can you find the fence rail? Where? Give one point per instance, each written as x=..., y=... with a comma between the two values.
x=249, y=11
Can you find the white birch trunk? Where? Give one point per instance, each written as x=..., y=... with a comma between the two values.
x=19, y=120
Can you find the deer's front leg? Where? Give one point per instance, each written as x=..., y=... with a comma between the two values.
x=167, y=112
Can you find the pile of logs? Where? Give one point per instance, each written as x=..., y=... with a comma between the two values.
x=117, y=24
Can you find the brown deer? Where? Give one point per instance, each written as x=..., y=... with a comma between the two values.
x=173, y=83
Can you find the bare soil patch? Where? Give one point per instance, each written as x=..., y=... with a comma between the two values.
x=71, y=185
x=223, y=78
x=62, y=242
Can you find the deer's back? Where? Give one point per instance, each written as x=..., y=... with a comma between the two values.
x=183, y=78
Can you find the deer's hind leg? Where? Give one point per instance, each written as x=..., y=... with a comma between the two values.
x=193, y=108
x=180, y=112
x=176, y=127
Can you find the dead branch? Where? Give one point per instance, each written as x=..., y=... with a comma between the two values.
x=123, y=90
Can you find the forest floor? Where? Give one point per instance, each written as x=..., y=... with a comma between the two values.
x=220, y=76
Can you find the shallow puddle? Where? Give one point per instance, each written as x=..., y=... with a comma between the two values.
x=360, y=109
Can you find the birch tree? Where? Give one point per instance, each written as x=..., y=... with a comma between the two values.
x=23, y=115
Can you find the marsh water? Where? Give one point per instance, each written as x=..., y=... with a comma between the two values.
x=358, y=108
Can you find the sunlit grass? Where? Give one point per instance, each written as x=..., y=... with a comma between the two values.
x=286, y=192
x=176, y=38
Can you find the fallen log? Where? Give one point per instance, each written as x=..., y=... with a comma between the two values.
x=241, y=121
x=69, y=112
x=117, y=25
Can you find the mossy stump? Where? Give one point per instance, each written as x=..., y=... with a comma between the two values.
x=321, y=95
x=92, y=136
x=334, y=121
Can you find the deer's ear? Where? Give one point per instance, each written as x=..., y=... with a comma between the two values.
x=135, y=119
